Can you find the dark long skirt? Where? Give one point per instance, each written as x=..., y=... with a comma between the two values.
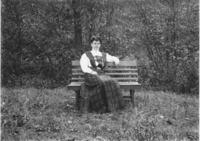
x=100, y=94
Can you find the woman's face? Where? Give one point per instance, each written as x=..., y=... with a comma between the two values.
x=96, y=45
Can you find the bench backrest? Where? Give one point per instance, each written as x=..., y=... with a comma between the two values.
x=126, y=71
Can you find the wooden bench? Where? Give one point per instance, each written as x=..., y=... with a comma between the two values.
x=126, y=73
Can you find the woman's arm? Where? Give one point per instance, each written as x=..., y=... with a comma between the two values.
x=111, y=58
x=85, y=65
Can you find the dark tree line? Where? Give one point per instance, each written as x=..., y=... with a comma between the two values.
x=41, y=37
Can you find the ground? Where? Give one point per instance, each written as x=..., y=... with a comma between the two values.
x=50, y=114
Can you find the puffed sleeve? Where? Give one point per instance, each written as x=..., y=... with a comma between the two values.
x=111, y=58
x=85, y=64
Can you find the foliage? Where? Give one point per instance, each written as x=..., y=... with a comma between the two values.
x=40, y=38
x=42, y=49
x=170, y=37
x=44, y=114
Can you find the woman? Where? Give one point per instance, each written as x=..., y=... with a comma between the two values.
x=99, y=93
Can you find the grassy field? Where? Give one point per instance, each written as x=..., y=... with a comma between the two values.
x=42, y=114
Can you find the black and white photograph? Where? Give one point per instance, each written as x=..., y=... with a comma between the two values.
x=99, y=70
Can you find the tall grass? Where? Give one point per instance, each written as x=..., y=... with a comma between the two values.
x=44, y=114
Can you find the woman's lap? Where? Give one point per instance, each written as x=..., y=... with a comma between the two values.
x=103, y=93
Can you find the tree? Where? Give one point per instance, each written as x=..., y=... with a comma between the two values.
x=163, y=36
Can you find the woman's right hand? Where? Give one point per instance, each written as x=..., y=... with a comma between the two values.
x=94, y=72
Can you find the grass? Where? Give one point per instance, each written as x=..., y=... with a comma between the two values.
x=42, y=114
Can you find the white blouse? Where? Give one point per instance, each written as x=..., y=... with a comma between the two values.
x=85, y=61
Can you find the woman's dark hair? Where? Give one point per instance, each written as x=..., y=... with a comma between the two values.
x=95, y=38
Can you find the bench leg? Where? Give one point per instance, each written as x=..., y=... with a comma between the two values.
x=78, y=99
x=132, y=92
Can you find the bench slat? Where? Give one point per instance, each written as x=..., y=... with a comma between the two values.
x=115, y=78
x=108, y=73
x=120, y=83
x=121, y=63
x=123, y=85
x=109, y=69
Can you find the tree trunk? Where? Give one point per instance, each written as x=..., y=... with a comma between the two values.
x=76, y=4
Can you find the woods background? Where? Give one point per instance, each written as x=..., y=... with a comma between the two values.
x=41, y=37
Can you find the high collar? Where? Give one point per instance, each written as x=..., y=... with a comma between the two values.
x=95, y=51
